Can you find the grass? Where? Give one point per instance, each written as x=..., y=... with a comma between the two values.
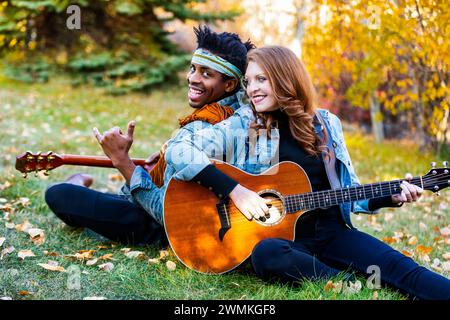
x=56, y=117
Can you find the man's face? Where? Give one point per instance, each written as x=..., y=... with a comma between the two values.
x=206, y=85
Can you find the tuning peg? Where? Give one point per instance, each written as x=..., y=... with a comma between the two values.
x=46, y=173
x=445, y=163
x=433, y=165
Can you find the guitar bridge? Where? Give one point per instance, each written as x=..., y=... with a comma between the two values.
x=224, y=218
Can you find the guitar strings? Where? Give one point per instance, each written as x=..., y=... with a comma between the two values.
x=294, y=201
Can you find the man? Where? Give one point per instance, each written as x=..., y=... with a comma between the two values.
x=135, y=215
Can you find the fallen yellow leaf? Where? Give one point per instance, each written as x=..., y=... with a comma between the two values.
x=24, y=226
x=413, y=240
x=22, y=254
x=52, y=266
x=422, y=250
x=407, y=253
x=24, y=293
x=163, y=254
x=389, y=240
x=108, y=256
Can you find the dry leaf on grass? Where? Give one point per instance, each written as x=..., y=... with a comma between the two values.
x=125, y=250
x=2, y=240
x=24, y=293
x=94, y=298
x=445, y=232
x=163, y=254
x=37, y=236
x=407, y=253
x=135, y=255
x=81, y=255
x=413, y=241
x=335, y=287
x=23, y=201
x=171, y=265
x=91, y=262
x=389, y=240
x=22, y=254
x=51, y=254
x=446, y=256
x=106, y=266
x=6, y=251
x=108, y=256
x=423, y=250
x=153, y=261
x=52, y=266
x=5, y=185
x=24, y=226
x=5, y=298
x=352, y=287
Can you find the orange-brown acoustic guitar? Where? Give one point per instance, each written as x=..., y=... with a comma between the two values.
x=214, y=237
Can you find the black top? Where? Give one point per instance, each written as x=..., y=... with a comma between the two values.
x=289, y=150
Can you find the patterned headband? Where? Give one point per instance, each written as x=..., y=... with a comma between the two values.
x=206, y=58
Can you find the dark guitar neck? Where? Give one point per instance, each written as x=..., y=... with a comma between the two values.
x=327, y=198
x=93, y=161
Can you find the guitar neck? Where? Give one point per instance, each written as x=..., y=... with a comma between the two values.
x=93, y=161
x=327, y=198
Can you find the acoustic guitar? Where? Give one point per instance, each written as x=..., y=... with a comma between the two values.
x=212, y=236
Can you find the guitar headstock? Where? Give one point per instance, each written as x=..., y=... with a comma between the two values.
x=437, y=178
x=34, y=162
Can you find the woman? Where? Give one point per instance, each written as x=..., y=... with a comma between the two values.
x=284, y=103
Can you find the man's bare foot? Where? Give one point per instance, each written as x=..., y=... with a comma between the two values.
x=80, y=179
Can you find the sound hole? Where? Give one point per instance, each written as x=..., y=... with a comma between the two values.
x=276, y=209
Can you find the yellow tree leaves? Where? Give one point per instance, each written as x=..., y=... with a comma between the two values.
x=394, y=47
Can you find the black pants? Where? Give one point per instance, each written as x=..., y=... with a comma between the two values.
x=109, y=215
x=324, y=247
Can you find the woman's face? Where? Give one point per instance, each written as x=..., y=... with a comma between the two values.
x=258, y=88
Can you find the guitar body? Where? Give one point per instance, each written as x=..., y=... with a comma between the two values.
x=193, y=223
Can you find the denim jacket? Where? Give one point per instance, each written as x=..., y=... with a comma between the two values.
x=231, y=139
x=143, y=192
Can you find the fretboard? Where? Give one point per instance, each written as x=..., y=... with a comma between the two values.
x=328, y=198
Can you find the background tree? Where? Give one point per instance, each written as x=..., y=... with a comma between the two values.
x=122, y=44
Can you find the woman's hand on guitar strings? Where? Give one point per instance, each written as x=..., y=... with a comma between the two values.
x=249, y=203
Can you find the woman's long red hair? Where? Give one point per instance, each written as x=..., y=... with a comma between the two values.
x=293, y=91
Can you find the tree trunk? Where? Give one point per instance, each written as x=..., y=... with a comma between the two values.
x=376, y=118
